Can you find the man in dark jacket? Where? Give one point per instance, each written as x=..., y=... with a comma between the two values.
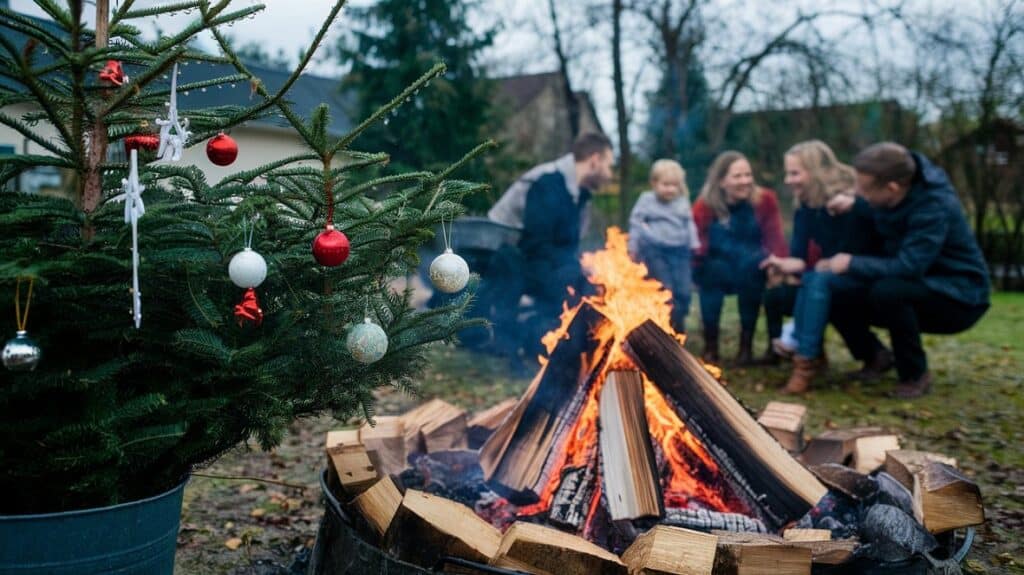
x=550, y=204
x=931, y=276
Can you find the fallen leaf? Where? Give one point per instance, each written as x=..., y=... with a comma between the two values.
x=247, y=487
x=258, y=512
x=233, y=543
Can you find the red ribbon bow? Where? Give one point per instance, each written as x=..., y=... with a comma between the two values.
x=141, y=142
x=113, y=73
x=249, y=310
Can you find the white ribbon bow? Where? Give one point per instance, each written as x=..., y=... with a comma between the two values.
x=133, y=210
x=172, y=143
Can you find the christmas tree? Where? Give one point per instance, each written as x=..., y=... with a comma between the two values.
x=115, y=412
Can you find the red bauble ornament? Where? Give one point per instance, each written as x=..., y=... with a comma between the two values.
x=330, y=247
x=141, y=142
x=113, y=73
x=249, y=310
x=222, y=149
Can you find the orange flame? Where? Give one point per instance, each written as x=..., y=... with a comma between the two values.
x=628, y=298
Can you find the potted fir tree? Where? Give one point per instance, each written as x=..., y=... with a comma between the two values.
x=156, y=355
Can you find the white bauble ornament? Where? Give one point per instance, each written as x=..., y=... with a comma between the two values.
x=449, y=272
x=367, y=342
x=21, y=353
x=247, y=269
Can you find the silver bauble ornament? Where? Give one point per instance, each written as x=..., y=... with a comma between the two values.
x=449, y=272
x=367, y=342
x=247, y=269
x=21, y=353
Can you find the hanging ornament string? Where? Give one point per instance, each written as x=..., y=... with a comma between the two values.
x=133, y=210
x=21, y=318
x=174, y=132
x=446, y=235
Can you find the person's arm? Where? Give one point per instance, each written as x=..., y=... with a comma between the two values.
x=927, y=229
x=770, y=221
x=702, y=217
x=543, y=224
x=636, y=223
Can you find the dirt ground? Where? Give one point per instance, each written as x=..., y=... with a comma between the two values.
x=259, y=516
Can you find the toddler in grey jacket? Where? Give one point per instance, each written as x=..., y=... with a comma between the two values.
x=662, y=235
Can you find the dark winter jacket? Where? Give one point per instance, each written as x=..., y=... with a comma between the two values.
x=752, y=232
x=551, y=223
x=818, y=234
x=926, y=236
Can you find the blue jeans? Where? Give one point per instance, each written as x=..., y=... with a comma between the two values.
x=671, y=266
x=810, y=314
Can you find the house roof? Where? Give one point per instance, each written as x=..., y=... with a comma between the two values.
x=305, y=94
x=519, y=91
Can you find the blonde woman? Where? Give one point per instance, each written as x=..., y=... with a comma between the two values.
x=662, y=235
x=815, y=177
x=739, y=226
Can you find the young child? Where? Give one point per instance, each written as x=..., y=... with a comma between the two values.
x=662, y=235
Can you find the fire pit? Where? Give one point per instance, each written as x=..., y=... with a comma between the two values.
x=625, y=444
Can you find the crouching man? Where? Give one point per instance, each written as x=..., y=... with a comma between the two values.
x=931, y=276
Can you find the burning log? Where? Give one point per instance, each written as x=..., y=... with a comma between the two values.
x=571, y=503
x=944, y=499
x=785, y=421
x=745, y=554
x=434, y=426
x=483, y=424
x=519, y=458
x=778, y=486
x=902, y=464
x=546, y=551
x=670, y=550
x=627, y=455
x=427, y=528
x=707, y=520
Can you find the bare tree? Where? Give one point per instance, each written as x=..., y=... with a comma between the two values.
x=572, y=105
x=971, y=71
x=622, y=118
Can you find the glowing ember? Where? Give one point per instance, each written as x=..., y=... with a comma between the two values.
x=625, y=295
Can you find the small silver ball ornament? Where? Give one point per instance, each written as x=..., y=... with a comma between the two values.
x=449, y=272
x=21, y=353
x=247, y=269
x=367, y=342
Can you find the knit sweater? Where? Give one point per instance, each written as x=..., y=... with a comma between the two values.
x=664, y=224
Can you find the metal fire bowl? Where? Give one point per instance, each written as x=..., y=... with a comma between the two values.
x=339, y=550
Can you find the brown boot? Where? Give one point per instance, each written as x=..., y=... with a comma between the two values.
x=873, y=369
x=804, y=372
x=914, y=388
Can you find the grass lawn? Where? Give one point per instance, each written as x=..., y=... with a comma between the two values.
x=974, y=413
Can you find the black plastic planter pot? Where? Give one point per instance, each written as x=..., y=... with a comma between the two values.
x=136, y=538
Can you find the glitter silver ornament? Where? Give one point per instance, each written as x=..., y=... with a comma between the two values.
x=21, y=353
x=247, y=269
x=449, y=272
x=367, y=342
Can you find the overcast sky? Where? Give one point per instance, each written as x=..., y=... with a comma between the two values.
x=288, y=24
